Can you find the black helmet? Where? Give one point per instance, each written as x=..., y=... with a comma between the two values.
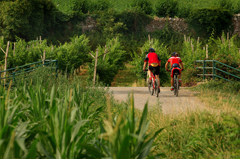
x=151, y=50
x=173, y=53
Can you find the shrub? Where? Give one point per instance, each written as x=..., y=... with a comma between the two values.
x=74, y=54
x=184, y=10
x=26, y=19
x=167, y=8
x=134, y=19
x=81, y=7
x=97, y=5
x=205, y=20
x=143, y=5
x=108, y=67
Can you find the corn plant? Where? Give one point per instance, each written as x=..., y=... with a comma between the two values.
x=125, y=138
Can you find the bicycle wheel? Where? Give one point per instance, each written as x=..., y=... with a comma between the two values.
x=150, y=88
x=176, y=85
x=156, y=88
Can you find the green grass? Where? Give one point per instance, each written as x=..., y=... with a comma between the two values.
x=220, y=95
x=209, y=133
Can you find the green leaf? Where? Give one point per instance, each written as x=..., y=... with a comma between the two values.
x=33, y=150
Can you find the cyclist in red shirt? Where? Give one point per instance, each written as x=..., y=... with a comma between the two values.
x=154, y=64
x=175, y=61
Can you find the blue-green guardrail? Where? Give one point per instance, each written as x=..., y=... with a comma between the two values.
x=13, y=72
x=214, y=68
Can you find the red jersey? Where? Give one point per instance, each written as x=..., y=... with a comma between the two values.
x=152, y=57
x=173, y=60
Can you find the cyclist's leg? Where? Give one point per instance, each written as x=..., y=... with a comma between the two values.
x=172, y=80
x=149, y=75
x=180, y=77
x=157, y=71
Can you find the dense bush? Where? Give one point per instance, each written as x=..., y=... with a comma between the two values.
x=206, y=20
x=108, y=66
x=70, y=55
x=143, y=5
x=100, y=5
x=167, y=8
x=26, y=19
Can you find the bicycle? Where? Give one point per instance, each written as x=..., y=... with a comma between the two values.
x=176, y=71
x=153, y=86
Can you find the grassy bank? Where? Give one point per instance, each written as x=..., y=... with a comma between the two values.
x=213, y=132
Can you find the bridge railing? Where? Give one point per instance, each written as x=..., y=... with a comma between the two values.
x=214, y=69
x=10, y=74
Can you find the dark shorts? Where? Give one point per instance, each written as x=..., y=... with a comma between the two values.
x=155, y=70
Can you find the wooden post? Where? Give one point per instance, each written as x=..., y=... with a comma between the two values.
x=227, y=36
x=6, y=56
x=185, y=39
x=95, y=68
x=43, y=57
x=14, y=45
x=207, y=51
x=198, y=40
x=52, y=47
x=192, y=47
x=105, y=52
x=40, y=40
x=149, y=38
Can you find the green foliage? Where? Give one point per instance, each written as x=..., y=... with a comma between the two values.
x=74, y=54
x=81, y=7
x=143, y=5
x=69, y=55
x=100, y=5
x=108, y=65
x=206, y=20
x=26, y=19
x=134, y=19
x=167, y=8
x=125, y=139
x=65, y=120
x=108, y=25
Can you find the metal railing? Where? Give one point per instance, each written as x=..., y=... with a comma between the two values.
x=24, y=69
x=214, y=69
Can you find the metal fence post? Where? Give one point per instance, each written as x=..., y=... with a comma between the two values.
x=14, y=77
x=214, y=70
x=56, y=68
x=204, y=70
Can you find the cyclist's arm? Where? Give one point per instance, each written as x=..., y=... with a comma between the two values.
x=144, y=66
x=159, y=61
x=181, y=65
x=166, y=66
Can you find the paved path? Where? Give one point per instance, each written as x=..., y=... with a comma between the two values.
x=169, y=103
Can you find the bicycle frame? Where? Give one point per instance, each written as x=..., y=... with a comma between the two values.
x=153, y=80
